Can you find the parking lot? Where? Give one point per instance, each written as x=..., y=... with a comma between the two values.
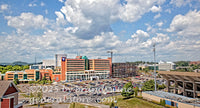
x=80, y=91
x=84, y=91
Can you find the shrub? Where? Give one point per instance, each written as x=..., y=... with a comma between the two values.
x=112, y=105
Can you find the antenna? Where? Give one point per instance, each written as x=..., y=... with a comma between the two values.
x=111, y=55
x=154, y=50
x=35, y=60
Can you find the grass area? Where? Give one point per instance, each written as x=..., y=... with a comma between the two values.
x=79, y=105
x=41, y=104
x=18, y=86
x=132, y=103
x=24, y=95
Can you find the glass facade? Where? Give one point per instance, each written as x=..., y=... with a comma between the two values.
x=25, y=76
x=15, y=76
x=37, y=75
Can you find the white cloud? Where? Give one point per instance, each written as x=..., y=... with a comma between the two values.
x=180, y=3
x=52, y=42
x=134, y=10
x=186, y=29
x=84, y=26
x=26, y=45
x=149, y=27
x=60, y=18
x=186, y=25
x=135, y=43
x=61, y=1
x=46, y=11
x=32, y=4
x=160, y=38
x=140, y=34
x=42, y=4
x=156, y=9
x=91, y=17
x=140, y=46
x=168, y=10
x=4, y=7
x=159, y=24
x=157, y=16
x=183, y=49
x=26, y=22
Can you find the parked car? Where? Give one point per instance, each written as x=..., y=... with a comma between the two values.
x=82, y=95
x=99, y=94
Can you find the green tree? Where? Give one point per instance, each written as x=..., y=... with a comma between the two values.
x=31, y=95
x=37, y=95
x=73, y=105
x=162, y=102
x=42, y=82
x=146, y=70
x=127, y=90
x=182, y=63
x=16, y=81
x=8, y=68
x=148, y=85
x=195, y=67
x=50, y=82
x=31, y=82
x=4, y=69
x=136, y=89
x=44, y=78
x=16, y=68
x=161, y=86
x=112, y=105
x=25, y=67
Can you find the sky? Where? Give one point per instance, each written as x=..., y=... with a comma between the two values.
x=43, y=28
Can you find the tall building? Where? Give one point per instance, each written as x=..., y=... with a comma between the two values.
x=82, y=68
x=123, y=70
x=48, y=64
x=52, y=63
x=166, y=66
x=58, y=59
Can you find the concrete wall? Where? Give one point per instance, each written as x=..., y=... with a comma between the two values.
x=156, y=98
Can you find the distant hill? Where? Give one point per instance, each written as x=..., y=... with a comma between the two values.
x=34, y=63
x=4, y=64
x=20, y=63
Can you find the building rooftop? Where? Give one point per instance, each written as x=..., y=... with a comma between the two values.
x=192, y=74
x=4, y=86
x=174, y=97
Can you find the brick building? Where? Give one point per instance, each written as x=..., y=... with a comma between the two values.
x=194, y=63
x=122, y=70
x=23, y=76
x=30, y=75
x=47, y=73
x=82, y=68
x=9, y=95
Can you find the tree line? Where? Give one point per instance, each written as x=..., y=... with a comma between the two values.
x=4, y=69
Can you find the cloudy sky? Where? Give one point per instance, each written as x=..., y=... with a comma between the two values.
x=42, y=28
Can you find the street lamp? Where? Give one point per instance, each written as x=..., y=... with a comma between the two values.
x=154, y=50
x=111, y=54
